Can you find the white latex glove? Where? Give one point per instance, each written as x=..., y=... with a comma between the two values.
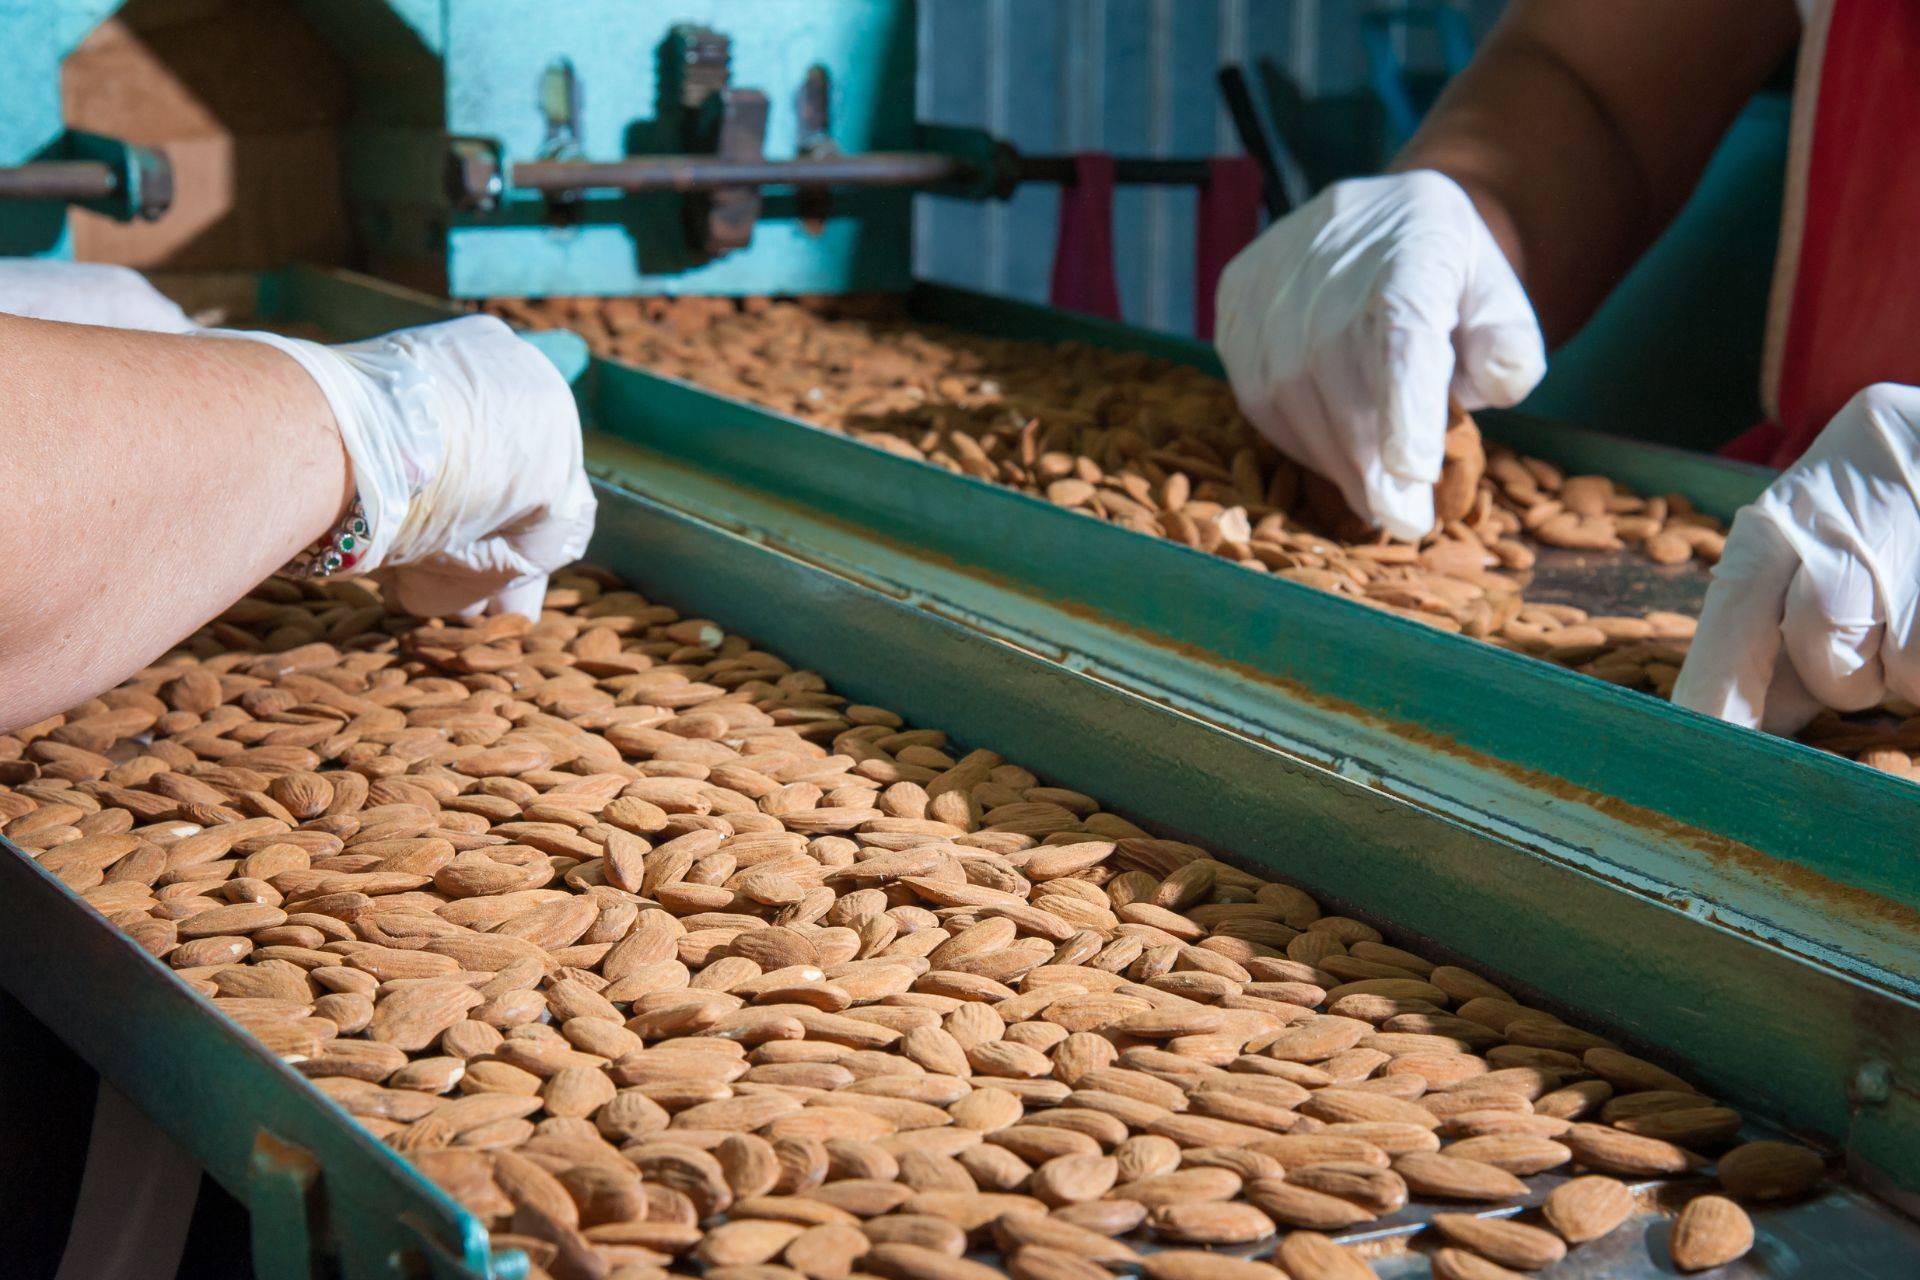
x=86, y=293
x=465, y=444
x=1348, y=323
x=1813, y=602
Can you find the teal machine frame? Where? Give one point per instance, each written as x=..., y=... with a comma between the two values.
x=1776, y=968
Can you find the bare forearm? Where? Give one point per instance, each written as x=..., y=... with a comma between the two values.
x=1581, y=128
x=150, y=481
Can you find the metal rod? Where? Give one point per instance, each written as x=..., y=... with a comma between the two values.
x=63, y=180
x=1249, y=122
x=684, y=173
x=705, y=173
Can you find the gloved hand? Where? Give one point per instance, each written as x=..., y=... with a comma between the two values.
x=465, y=444
x=86, y=293
x=1348, y=323
x=1814, y=601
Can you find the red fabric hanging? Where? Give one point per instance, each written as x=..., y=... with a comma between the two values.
x=1083, y=278
x=1226, y=221
x=1846, y=304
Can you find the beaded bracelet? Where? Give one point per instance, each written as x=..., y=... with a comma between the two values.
x=338, y=550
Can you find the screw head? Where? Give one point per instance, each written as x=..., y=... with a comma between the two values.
x=473, y=174
x=1873, y=1082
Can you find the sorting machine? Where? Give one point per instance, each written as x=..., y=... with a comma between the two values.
x=1740, y=907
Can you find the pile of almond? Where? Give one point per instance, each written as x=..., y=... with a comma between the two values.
x=661, y=957
x=1162, y=449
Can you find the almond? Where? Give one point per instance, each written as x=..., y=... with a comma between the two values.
x=1308, y=1255
x=1768, y=1170
x=1458, y=1264
x=1710, y=1232
x=1210, y=1222
x=1587, y=1208
x=1452, y=1178
x=1609, y=1150
x=1501, y=1240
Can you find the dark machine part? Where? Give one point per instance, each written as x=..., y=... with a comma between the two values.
x=717, y=120
x=1282, y=186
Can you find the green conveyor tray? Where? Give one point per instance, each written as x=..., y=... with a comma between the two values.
x=1813, y=1032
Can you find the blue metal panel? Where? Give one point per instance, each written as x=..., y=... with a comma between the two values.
x=496, y=51
x=1032, y=113
x=1186, y=116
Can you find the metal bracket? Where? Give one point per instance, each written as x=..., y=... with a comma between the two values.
x=475, y=174
x=560, y=107
x=715, y=119
x=287, y=1211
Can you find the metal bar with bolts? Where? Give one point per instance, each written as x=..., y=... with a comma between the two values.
x=63, y=180
x=870, y=169
x=707, y=173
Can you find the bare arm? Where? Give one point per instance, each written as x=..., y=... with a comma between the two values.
x=1581, y=127
x=150, y=480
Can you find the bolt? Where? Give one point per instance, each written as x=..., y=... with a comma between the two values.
x=1873, y=1083
x=473, y=179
